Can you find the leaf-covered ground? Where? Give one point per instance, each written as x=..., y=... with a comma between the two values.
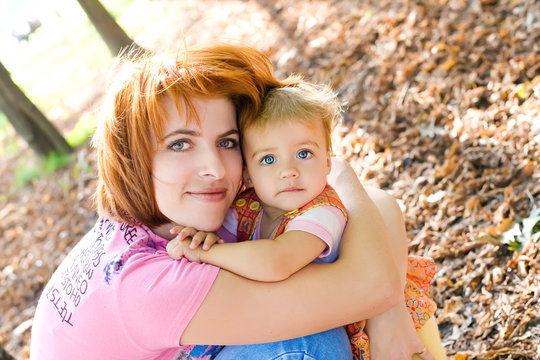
x=444, y=103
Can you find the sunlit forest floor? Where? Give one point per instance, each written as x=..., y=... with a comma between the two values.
x=443, y=112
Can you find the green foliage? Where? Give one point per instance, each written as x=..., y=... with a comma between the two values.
x=82, y=166
x=82, y=130
x=3, y=126
x=28, y=171
x=8, y=144
x=523, y=91
x=25, y=174
x=56, y=161
x=369, y=14
x=531, y=225
x=3, y=121
x=516, y=234
x=117, y=7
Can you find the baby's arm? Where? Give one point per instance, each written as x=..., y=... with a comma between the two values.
x=262, y=260
x=189, y=238
x=266, y=259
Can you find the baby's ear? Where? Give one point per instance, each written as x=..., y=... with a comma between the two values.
x=246, y=179
x=328, y=163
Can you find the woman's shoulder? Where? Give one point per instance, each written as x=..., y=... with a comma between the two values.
x=122, y=242
x=119, y=236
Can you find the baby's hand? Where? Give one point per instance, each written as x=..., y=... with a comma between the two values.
x=187, y=241
x=197, y=237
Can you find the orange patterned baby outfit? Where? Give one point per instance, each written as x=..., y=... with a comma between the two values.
x=420, y=273
x=248, y=209
x=420, y=270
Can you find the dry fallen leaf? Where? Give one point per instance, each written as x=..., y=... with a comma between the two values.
x=443, y=102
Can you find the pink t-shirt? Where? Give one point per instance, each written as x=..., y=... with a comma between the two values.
x=118, y=295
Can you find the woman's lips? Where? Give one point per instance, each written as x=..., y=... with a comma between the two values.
x=212, y=195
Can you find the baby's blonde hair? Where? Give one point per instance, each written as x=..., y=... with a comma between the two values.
x=299, y=101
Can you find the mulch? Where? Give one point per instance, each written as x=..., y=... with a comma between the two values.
x=443, y=113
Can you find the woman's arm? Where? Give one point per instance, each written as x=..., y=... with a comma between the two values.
x=362, y=283
x=392, y=334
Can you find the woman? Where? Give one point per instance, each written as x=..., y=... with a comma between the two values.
x=168, y=154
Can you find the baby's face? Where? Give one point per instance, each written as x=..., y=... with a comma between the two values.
x=287, y=162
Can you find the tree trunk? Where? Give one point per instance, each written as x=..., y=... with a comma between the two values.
x=27, y=120
x=113, y=35
x=4, y=355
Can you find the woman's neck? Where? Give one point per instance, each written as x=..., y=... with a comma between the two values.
x=163, y=231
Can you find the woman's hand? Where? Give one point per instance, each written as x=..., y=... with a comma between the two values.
x=392, y=336
x=341, y=173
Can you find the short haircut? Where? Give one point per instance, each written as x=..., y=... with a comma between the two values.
x=300, y=101
x=134, y=111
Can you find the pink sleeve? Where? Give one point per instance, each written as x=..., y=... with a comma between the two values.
x=326, y=222
x=157, y=297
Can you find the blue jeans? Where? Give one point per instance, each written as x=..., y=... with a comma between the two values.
x=328, y=345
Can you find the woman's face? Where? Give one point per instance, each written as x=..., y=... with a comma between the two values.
x=197, y=167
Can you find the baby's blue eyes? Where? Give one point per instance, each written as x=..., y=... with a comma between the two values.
x=268, y=160
x=304, y=154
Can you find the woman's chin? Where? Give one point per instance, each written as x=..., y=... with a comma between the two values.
x=206, y=224
x=213, y=226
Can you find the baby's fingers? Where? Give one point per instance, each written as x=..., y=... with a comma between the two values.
x=210, y=240
x=176, y=229
x=185, y=233
x=174, y=249
x=197, y=239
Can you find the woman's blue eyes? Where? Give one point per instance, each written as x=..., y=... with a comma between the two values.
x=228, y=143
x=183, y=145
x=180, y=145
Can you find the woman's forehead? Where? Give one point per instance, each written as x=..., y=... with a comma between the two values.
x=208, y=113
x=174, y=110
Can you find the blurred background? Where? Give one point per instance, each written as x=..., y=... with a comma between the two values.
x=443, y=112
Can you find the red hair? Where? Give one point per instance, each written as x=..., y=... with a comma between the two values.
x=134, y=112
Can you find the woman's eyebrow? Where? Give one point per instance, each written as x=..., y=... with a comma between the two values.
x=181, y=132
x=196, y=133
x=230, y=132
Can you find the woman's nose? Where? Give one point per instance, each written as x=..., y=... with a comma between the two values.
x=211, y=164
